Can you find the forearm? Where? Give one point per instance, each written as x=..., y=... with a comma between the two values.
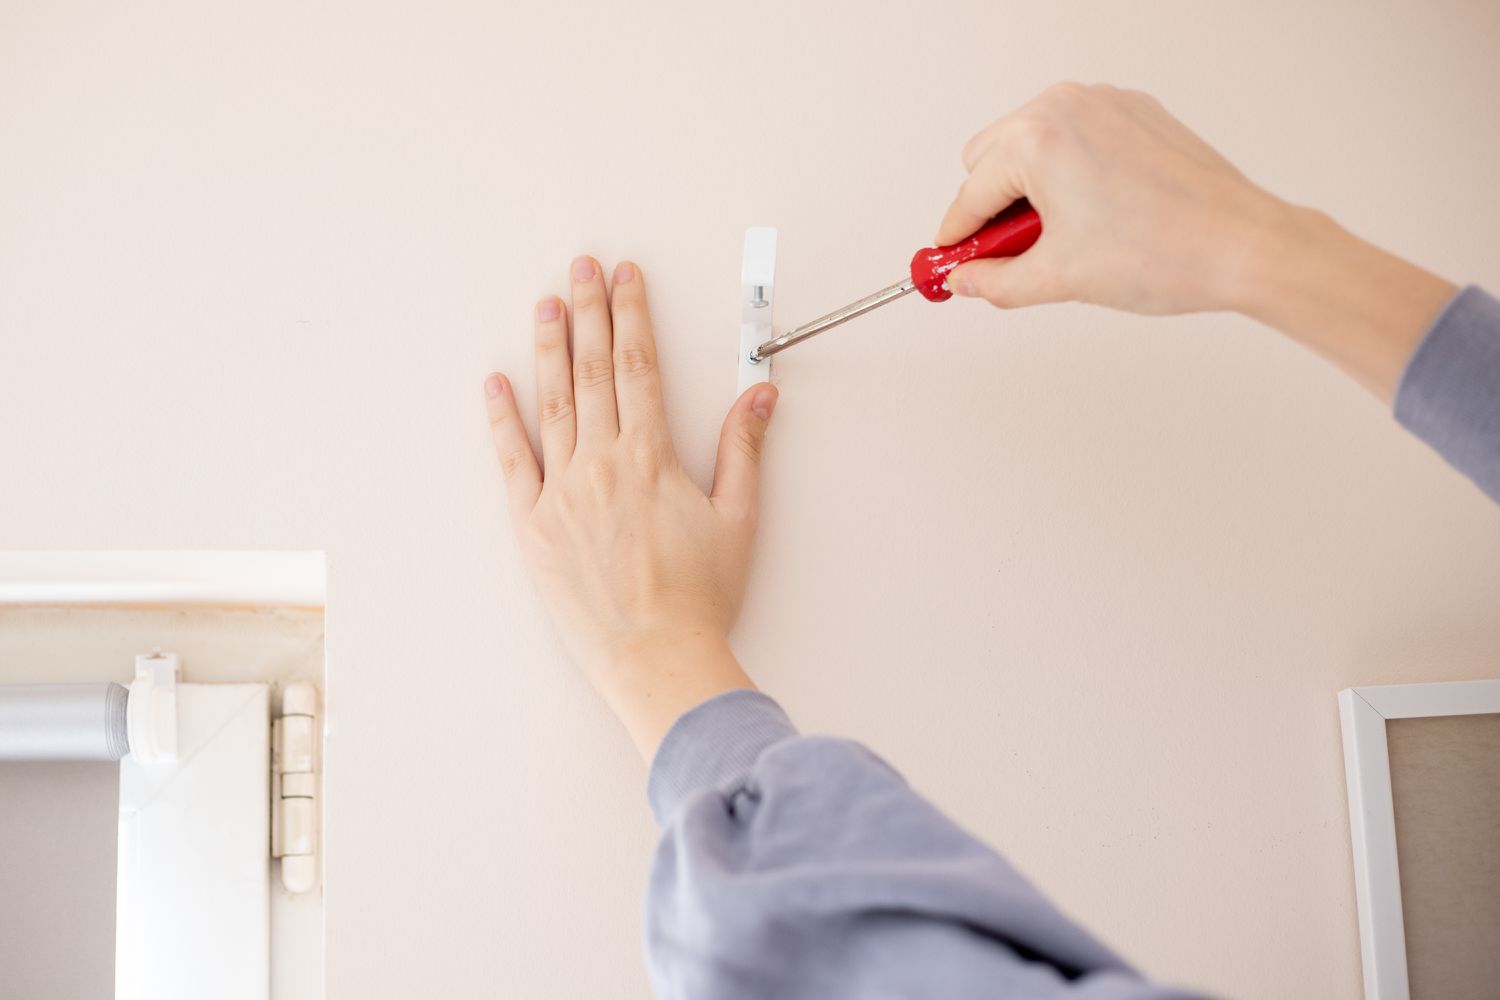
x=1353, y=303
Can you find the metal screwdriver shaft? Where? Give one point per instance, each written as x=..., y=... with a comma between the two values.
x=833, y=319
x=1011, y=232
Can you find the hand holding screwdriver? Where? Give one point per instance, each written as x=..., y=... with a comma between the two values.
x=1142, y=215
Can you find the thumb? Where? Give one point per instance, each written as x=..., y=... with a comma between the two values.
x=1007, y=281
x=737, y=472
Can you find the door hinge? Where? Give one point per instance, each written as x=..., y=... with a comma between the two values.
x=294, y=786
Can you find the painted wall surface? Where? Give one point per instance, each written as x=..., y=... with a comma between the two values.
x=1091, y=581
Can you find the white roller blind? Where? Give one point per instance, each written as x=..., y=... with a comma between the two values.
x=123, y=880
x=59, y=823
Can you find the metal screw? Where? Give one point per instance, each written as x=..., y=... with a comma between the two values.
x=759, y=299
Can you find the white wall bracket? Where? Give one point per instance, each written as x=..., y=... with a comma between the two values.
x=757, y=294
x=151, y=712
x=294, y=787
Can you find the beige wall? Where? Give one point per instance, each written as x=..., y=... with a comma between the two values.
x=1091, y=581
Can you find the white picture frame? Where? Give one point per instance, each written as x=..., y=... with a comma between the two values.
x=1363, y=712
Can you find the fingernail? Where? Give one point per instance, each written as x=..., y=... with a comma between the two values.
x=960, y=286
x=624, y=271
x=583, y=269
x=763, y=403
x=492, y=386
x=547, y=309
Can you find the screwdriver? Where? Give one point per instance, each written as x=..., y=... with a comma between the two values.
x=1011, y=232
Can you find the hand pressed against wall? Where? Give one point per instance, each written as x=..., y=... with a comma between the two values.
x=642, y=572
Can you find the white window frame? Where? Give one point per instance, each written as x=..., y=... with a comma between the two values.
x=1363, y=712
x=153, y=578
x=125, y=576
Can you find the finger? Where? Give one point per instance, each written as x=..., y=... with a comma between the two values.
x=1007, y=282
x=523, y=477
x=554, y=385
x=637, y=381
x=593, y=367
x=994, y=184
x=975, y=148
x=1059, y=99
x=737, y=471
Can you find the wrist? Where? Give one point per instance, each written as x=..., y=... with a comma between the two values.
x=1355, y=304
x=652, y=680
x=1272, y=239
x=663, y=650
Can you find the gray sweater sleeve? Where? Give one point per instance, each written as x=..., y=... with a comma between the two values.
x=797, y=866
x=1449, y=395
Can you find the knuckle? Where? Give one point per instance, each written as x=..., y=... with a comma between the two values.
x=512, y=462
x=593, y=370
x=556, y=406
x=1066, y=90
x=1036, y=135
x=589, y=297
x=998, y=297
x=975, y=194
x=981, y=144
x=550, y=338
x=635, y=360
x=748, y=443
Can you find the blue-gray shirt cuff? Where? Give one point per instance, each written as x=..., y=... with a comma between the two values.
x=714, y=745
x=1449, y=394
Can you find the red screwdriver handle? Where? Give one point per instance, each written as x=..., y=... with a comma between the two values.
x=1006, y=235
